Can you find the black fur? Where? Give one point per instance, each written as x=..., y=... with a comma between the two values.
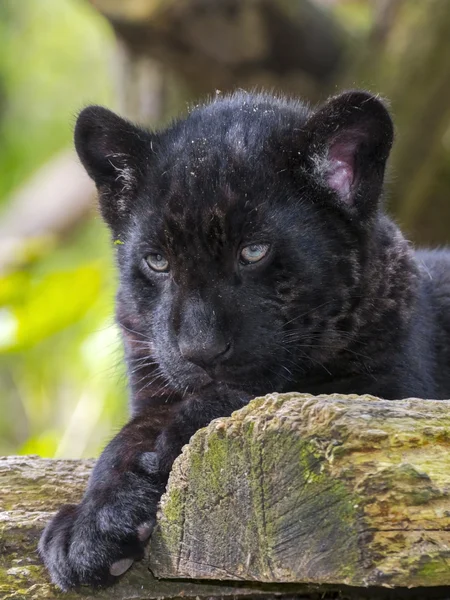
x=339, y=302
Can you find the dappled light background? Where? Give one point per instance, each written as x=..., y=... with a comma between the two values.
x=62, y=380
x=62, y=389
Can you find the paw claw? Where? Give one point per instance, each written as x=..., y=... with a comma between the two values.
x=120, y=566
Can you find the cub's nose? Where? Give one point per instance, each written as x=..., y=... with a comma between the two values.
x=205, y=354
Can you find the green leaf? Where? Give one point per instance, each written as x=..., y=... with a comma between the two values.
x=45, y=306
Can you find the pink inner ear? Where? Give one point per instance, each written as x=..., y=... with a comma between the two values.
x=340, y=178
x=340, y=173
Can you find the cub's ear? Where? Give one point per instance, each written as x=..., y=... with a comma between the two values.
x=349, y=140
x=111, y=150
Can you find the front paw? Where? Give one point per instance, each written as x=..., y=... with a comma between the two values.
x=98, y=540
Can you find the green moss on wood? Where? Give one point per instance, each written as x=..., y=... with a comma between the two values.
x=328, y=489
x=293, y=489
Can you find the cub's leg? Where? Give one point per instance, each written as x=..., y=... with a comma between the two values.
x=97, y=540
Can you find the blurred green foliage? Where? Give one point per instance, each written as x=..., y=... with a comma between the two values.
x=62, y=384
x=62, y=376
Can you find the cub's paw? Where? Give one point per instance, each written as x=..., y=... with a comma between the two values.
x=96, y=541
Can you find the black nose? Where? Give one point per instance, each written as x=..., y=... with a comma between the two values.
x=205, y=354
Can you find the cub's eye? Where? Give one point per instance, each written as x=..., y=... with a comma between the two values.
x=157, y=262
x=253, y=253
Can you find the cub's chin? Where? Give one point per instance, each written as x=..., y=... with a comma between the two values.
x=250, y=386
x=202, y=383
x=250, y=379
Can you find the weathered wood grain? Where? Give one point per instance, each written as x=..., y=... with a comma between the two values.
x=293, y=496
x=31, y=490
x=337, y=490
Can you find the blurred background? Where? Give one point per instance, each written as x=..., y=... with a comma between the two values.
x=62, y=384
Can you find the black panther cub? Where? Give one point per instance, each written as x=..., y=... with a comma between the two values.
x=254, y=257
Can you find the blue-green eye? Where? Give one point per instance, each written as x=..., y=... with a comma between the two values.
x=157, y=262
x=253, y=253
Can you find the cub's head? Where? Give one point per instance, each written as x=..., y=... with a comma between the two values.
x=241, y=232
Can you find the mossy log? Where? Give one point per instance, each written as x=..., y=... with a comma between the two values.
x=299, y=496
x=327, y=489
x=31, y=490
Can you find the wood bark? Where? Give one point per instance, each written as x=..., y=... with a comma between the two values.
x=31, y=490
x=337, y=490
x=294, y=495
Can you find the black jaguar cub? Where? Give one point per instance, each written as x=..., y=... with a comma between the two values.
x=254, y=257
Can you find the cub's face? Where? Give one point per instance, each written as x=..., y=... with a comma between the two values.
x=240, y=232
x=228, y=288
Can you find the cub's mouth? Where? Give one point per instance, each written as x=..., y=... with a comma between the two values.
x=246, y=380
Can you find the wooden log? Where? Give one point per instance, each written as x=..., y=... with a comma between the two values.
x=31, y=490
x=293, y=496
x=338, y=490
